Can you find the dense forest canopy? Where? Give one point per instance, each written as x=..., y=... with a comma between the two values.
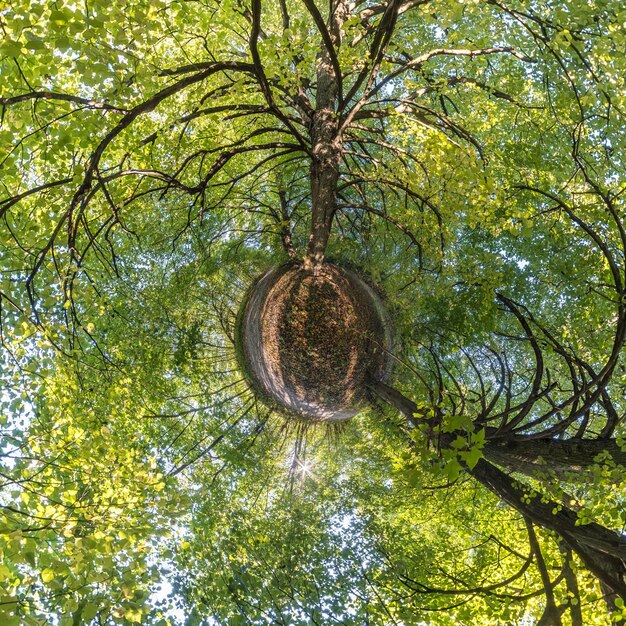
x=464, y=159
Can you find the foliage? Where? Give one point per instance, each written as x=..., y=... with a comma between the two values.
x=157, y=156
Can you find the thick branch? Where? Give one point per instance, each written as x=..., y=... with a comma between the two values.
x=51, y=95
x=551, y=615
x=399, y=401
x=560, y=456
x=329, y=45
x=552, y=515
x=602, y=550
x=456, y=52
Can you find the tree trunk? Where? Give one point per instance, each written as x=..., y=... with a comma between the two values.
x=548, y=514
x=602, y=550
x=326, y=146
x=324, y=176
x=396, y=399
x=557, y=456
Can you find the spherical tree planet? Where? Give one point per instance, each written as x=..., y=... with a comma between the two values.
x=310, y=341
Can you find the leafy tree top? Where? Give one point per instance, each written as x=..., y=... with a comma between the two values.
x=158, y=156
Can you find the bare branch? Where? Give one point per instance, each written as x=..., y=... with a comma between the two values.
x=327, y=38
x=7, y=203
x=551, y=615
x=262, y=78
x=51, y=95
x=456, y=52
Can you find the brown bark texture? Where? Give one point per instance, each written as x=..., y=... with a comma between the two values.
x=555, y=456
x=326, y=145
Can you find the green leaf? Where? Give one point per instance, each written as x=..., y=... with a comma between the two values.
x=59, y=18
x=11, y=49
x=472, y=457
x=47, y=575
x=133, y=615
x=452, y=470
x=90, y=610
x=5, y=572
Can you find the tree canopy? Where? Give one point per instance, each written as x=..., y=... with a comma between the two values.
x=464, y=157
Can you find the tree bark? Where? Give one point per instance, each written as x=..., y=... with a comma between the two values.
x=572, y=585
x=557, y=456
x=326, y=146
x=602, y=550
x=324, y=176
x=549, y=514
x=396, y=399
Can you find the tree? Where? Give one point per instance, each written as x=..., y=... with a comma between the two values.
x=461, y=155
